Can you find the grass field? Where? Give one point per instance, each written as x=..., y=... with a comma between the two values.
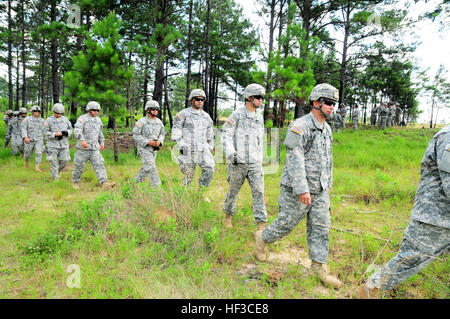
x=135, y=242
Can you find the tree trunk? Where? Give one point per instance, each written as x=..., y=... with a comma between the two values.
x=10, y=80
x=54, y=53
x=189, y=61
x=206, y=87
x=269, y=72
x=343, y=70
x=24, y=80
x=116, y=155
x=17, y=78
x=145, y=85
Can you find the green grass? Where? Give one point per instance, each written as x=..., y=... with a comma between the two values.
x=135, y=242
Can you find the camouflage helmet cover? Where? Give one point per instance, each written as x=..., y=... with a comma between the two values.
x=253, y=90
x=10, y=112
x=197, y=92
x=35, y=108
x=23, y=110
x=58, y=108
x=15, y=113
x=93, y=105
x=324, y=90
x=151, y=104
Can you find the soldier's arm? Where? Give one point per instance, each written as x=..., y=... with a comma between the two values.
x=101, y=137
x=69, y=128
x=78, y=130
x=295, y=158
x=137, y=134
x=48, y=132
x=210, y=134
x=24, y=128
x=227, y=136
x=443, y=162
x=162, y=134
x=177, y=129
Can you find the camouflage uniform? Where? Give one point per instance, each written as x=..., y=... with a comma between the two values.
x=193, y=132
x=373, y=116
x=7, y=119
x=391, y=116
x=343, y=112
x=33, y=128
x=15, y=132
x=355, y=117
x=145, y=130
x=398, y=116
x=428, y=233
x=89, y=129
x=337, y=122
x=242, y=141
x=58, y=153
x=308, y=168
x=382, y=117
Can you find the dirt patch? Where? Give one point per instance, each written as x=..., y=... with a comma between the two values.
x=125, y=142
x=163, y=214
x=293, y=255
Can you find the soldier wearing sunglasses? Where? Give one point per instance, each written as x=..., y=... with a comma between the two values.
x=193, y=132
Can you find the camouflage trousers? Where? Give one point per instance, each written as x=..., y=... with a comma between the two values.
x=236, y=177
x=38, y=147
x=148, y=159
x=382, y=123
x=16, y=144
x=291, y=211
x=355, y=124
x=98, y=164
x=188, y=162
x=7, y=140
x=389, y=121
x=58, y=158
x=422, y=243
x=373, y=120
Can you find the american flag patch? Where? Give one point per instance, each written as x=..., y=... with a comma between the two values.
x=230, y=120
x=179, y=116
x=297, y=130
x=138, y=124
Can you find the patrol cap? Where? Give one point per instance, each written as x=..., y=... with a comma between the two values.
x=93, y=105
x=324, y=90
x=254, y=89
x=35, y=108
x=197, y=92
x=58, y=108
x=152, y=105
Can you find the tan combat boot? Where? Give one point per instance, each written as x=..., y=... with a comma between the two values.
x=261, y=226
x=37, y=169
x=364, y=292
x=27, y=164
x=227, y=221
x=260, y=246
x=75, y=186
x=322, y=271
x=107, y=185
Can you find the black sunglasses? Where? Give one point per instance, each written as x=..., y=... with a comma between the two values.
x=328, y=102
x=198, y=99
x=258, y=97
x=95, y=110
x=153, y=109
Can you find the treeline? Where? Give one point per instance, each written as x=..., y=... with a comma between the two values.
x=124, y=53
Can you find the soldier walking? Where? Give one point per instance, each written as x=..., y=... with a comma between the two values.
x=16, y=131
x=7, y=118
x=88, y=131
x=148, y=133
x=57, y=129
x=427, y=235
x=242, y=141
x=305, y=182
x=373, y=116
x=382, y=116
x=33, y=137
x=391, y=114
x=355, y=117
x=193, y=132
x=343, y=113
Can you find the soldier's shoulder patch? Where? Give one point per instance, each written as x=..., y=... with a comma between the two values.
x=179, y=115
x=296, y=130
x=81, y=120
x=230, y=120
x=45, y=123
x=138, y=124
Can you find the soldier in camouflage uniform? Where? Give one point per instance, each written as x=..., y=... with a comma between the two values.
x=305, y=182
x=33, y=136
x=9, y=132
x=355, y=117
x=373, y=116
x=88, y=131
x=8, y=117
x=398, y=115
x=343, y=113
x=242, y=141
x=382, y=116
x=391, y=114
x=57, y=131
x=16, y=132
x=427, y=235
x=193, y=132
x=148, y=133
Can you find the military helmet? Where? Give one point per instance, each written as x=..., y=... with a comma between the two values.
x=197, y=92
x=93, y=105
x=58, y=108
x=152, y=105
x=16, y=113
x=10, y=112
x=324, y=90
x=35, y=108
x=23, y=110
x=253, y=90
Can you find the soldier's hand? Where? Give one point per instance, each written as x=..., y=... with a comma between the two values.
x=58, y=134
x=102, y=147
x=305, y=198
x=26, y=140
x=84, y=144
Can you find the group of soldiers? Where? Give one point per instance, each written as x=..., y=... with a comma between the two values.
x=383, y=115
x=305, y=181
x=27, y=134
